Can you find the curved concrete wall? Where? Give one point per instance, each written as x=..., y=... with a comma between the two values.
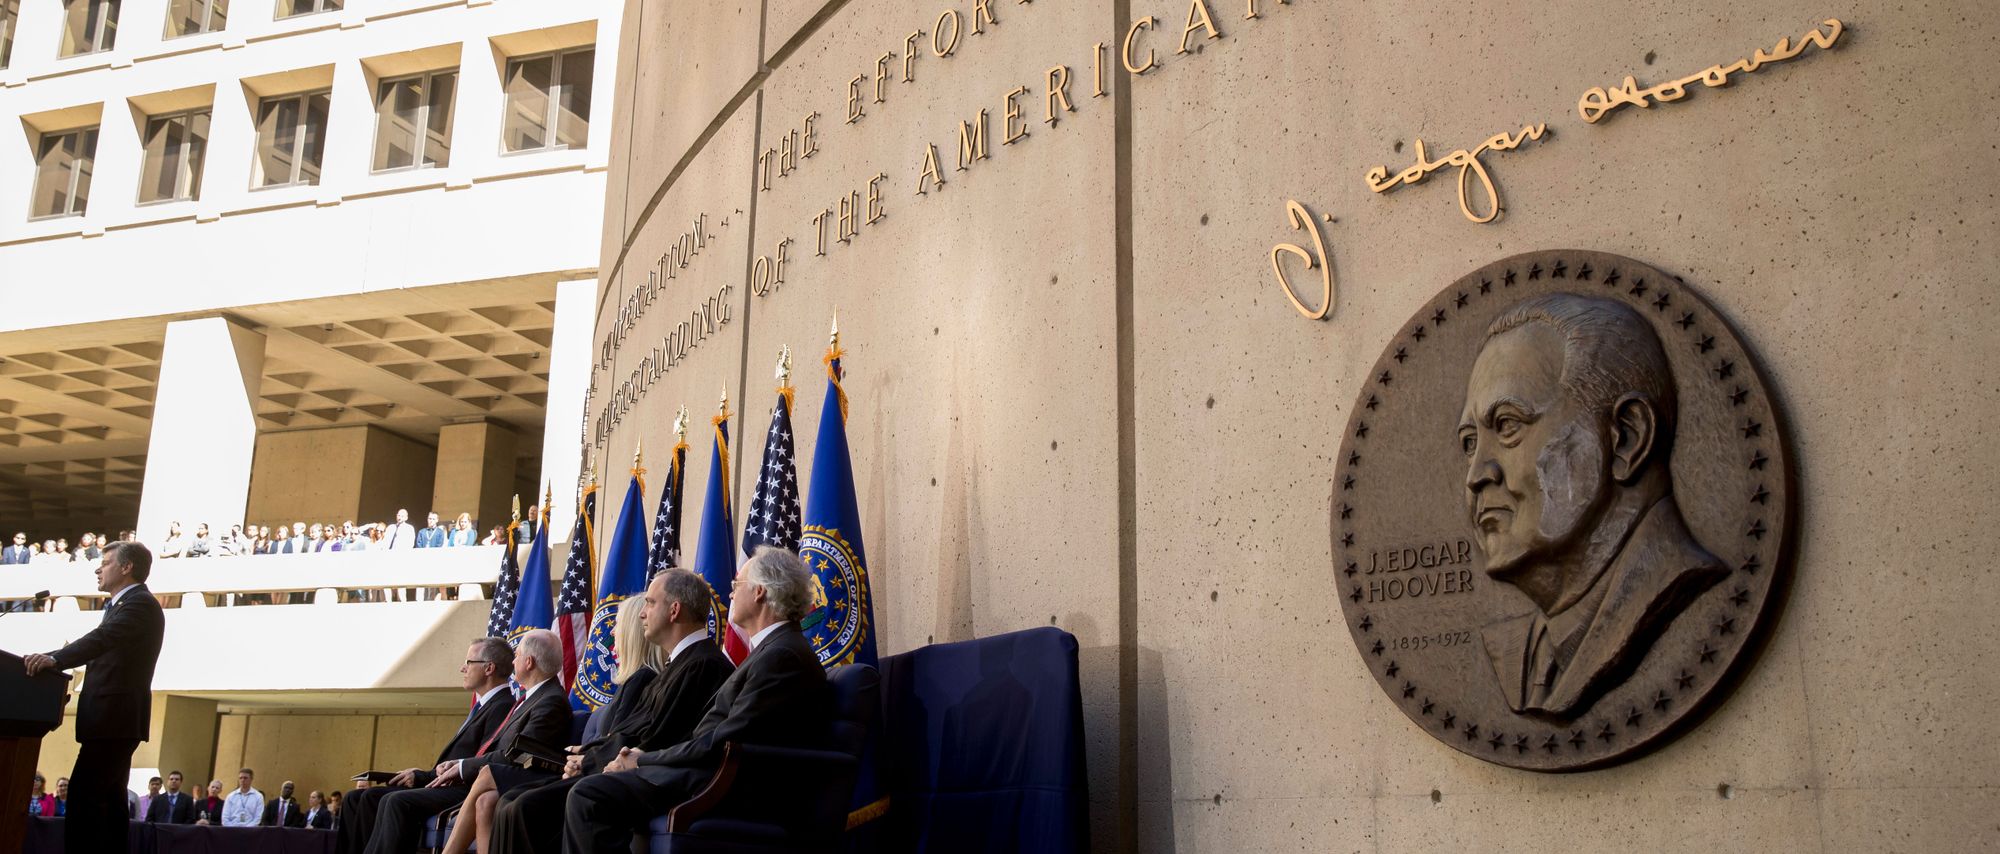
x=1080, y=398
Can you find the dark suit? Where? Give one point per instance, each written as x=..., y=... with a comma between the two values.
x=400, y=816
x=1659, y=571
x=171, y=808
x=319, y=819
x=208, y=808
x=13, y=555
x=650, y=712
x=357, y=810
x=112, y=715
x=778, y=697
x=293, y=817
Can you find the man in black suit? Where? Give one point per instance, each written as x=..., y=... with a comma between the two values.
x=117, y=702
x=541, y=714
x=172, y=806
x=779, y=696
x=283, y=810
x=663, y=714
x=489, y=663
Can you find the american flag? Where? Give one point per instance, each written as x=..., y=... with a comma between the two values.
x=666, y=548
x=573, y=601
x=774, y=511
x=507, y=589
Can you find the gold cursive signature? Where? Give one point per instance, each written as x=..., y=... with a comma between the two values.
x=1468, y=164
x=1598, y=101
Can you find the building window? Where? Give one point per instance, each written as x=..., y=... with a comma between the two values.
x=62, y=172
x=291, y=136
x=413, y=121
x=10, y=12
x=192, y=17
x=295, y=8
x=176, y=145
x=89, y=26
x=548, y=101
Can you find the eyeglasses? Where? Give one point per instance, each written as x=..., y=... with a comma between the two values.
x=477, y=661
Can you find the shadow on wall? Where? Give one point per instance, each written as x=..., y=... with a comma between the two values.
x=953, y=620
x=1155, y=748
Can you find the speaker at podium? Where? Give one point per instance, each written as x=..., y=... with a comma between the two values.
x=30, y=706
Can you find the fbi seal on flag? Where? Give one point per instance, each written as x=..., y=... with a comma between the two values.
x=835, y=624
x=594, y=672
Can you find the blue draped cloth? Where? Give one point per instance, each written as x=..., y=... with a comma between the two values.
x=982, y=746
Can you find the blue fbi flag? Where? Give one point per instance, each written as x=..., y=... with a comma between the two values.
x=715, y=547
x=841, y=622
x=535, y=609
x=624, y=577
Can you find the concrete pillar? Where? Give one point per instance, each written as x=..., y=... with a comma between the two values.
x=475, y=473
x=181, y=738
x=569, y=379
x=204, y=430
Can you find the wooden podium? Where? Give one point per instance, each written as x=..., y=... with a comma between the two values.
x=29, y=708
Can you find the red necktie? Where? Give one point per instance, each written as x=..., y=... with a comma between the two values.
x=503, y=726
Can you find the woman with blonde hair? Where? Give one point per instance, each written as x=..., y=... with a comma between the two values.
x=638, y=664
x=634, y=671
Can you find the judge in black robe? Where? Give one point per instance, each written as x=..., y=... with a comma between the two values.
x=649, y=713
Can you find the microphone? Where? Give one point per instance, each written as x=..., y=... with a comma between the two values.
x=40, y=597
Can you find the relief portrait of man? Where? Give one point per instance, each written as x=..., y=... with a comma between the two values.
x=1568, y=429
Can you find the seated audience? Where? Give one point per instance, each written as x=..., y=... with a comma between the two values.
x=245, y=806
x=318, y=815
x=208, y=811
x=778, y=697
x=283, y=810
x=477, y=813
x=541, y=715
x=40, y=802
x=489, y=663
x=172, y=806
x=661, y=696
x=145, y=801
x=537, y=661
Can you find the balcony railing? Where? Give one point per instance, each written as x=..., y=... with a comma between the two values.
x=325, y=577
x=335, y=643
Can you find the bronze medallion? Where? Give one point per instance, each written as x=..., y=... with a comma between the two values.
x=1562, y=510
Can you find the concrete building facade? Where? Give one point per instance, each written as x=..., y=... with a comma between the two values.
x=1080, y=395
x=293, y=262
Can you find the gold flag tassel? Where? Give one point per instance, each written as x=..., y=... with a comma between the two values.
x=833, y=352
